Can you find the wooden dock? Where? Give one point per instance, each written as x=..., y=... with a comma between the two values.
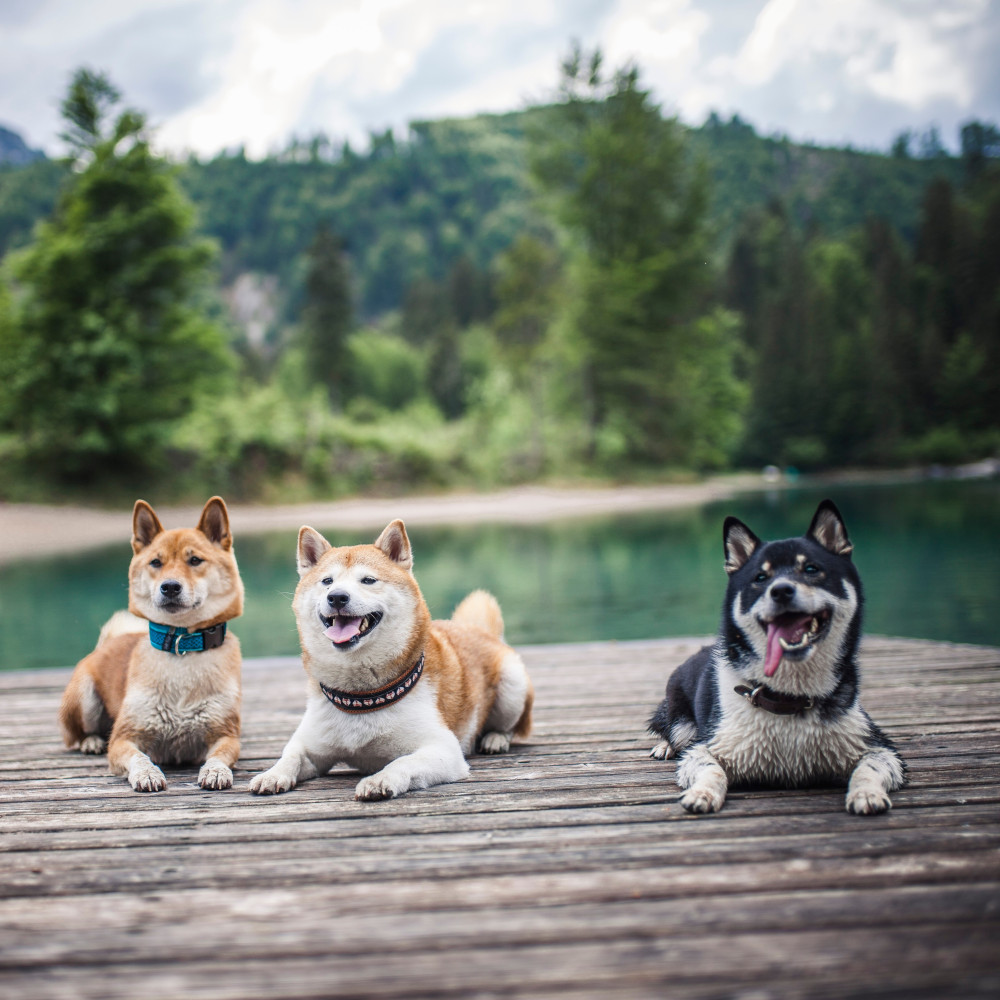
x=566, y=869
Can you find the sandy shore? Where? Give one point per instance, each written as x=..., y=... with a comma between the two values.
x=30, y=530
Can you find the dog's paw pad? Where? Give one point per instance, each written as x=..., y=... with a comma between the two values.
x=662, y=751
x=868, y=802
x=93, y=744
x=375, y=789
x=698, y=800
x=149, y=779
x=270, y=784
x=215, y=776
x=494, y=743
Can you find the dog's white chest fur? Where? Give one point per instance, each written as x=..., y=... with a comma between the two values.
x=756, y=746
x=191, y=697
x=368, y=741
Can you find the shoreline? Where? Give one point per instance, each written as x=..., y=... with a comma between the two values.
x=30, y=530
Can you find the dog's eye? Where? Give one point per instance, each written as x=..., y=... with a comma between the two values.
x=326, y=581
x=195, y=561
x=760, y=577
x=811, y=569
x=155, y=563
x=369, y=580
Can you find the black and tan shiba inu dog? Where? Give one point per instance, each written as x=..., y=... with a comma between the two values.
x=774, y=701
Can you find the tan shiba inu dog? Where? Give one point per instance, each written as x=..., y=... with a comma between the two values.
x=391, y=693
x=167, y=690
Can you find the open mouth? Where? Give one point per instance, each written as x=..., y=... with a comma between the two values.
x=348, y=630
x=792, y=634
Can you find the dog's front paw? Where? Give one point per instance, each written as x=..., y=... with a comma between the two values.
x=93, y=744
x=215, y=776
x=376, y=787
x=702, y=800
x=147, y=778
x=868, y=801
x=494, y=743
x=272, y=782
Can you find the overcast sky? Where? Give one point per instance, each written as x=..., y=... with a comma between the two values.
x=216, y=74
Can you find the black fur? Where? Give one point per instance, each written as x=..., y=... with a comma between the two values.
x=774, y=588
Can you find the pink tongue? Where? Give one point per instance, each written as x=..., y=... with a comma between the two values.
x=789, y=629
x=343, y=629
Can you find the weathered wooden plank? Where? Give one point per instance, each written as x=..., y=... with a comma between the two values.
x=25, y=943
x=862, y=963
x=566, y=868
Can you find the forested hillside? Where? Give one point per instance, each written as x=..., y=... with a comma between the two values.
x=581, y=289
x=408, y=209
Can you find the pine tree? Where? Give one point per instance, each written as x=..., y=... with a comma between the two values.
x=328, y=315
x=105, y=346
x=633, y=202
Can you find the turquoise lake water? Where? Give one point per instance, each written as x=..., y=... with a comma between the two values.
x=928, y=554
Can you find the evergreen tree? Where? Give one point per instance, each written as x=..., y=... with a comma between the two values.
x=627, y=191
x=105, y=347
x=328, y=315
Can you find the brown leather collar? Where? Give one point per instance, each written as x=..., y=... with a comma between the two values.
x=775, y=702
x=357, y=702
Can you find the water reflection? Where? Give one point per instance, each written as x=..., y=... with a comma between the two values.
x=927, y=553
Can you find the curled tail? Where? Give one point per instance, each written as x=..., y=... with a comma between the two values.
x=480, y=610
x=121, y=623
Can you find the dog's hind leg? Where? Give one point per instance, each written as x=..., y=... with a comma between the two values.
x=680, y=735
x=674, y=718
x=511, y=710
x=879, y=772
x=83, y=717
x=674, y=721
x=702, y=775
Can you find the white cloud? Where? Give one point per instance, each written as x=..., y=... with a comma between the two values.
x=255, y=72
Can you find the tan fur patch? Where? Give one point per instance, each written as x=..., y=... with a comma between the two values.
x=153, y=704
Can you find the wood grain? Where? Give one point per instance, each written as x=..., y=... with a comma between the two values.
x=565, y=869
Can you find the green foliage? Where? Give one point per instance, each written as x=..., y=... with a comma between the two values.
x=540, y=294
x=384, y=369
x=409, y=208
x=104, y=347
x=866, y=351
x=282, y=440
x=529, y=286
x=637, y=208
x=327, y=316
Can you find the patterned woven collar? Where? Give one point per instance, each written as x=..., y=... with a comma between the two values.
x=357, y=702
x=171, y=639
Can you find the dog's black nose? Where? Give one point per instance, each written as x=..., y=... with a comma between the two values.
x=170, y=588
x=338, y=600
x=782, y=593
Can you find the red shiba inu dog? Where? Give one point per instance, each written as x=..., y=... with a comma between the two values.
x=391, y=693
x=167, y=690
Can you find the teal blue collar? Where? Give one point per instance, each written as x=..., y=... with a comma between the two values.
x=171, y=639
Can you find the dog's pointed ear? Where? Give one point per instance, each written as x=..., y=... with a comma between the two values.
x=145, y=525
x=394, y=543
x=829, y=530
x=739, y=544
x=312, y=545
x=214, y=523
